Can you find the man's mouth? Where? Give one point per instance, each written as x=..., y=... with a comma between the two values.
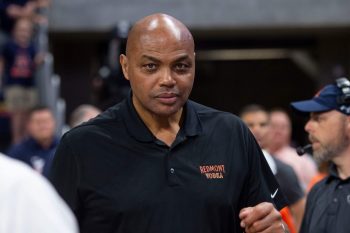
x=167, y=98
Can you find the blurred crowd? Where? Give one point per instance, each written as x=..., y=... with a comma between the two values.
x=19, y=60
x=28, y=130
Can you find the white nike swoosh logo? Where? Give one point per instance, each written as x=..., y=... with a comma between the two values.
x=274, y=194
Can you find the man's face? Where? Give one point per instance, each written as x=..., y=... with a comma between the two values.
x=23, y=31
x=280, y=128
x=41, y=125
x=161, y=70
x=258, y=123
x=327, y=133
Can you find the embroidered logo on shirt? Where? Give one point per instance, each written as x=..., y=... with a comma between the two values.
x=213, y=171
x=274, y=194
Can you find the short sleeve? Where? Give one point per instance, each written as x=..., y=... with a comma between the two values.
x=262, y=185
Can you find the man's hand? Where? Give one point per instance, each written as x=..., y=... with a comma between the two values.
x=262, y=218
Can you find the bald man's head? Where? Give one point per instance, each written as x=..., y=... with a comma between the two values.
x=160, y=65
x=161, y=26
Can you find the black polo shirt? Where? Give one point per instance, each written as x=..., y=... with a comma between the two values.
x=117, y=177
x=289, y=182
x=328, y=206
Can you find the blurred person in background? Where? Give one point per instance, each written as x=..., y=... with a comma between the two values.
x=82, y=114
x=12, y=10
x=18, y=61
x=28, y=202
x=41, y=141
x=258, y=121
x=279, y=145
x=328, y=202
x=158, y=162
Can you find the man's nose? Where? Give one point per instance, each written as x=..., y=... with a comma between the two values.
x=167, y=78
x=308, y=126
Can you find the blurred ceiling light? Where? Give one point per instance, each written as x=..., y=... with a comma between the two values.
x=242, y=54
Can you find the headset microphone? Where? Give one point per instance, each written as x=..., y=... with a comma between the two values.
x=302, y=149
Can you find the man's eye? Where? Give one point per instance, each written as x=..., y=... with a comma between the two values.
x=316, y=118
x=150, y=66
x=263, y=124
x=181, y=67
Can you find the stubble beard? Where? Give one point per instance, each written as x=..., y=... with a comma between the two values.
x=328, y=152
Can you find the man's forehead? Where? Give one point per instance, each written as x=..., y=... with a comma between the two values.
x=256, y=114
x=157, y=48
x=158, y=57
x=161, y=32
x=166, y=24
x=323, y=113
x=163, y=38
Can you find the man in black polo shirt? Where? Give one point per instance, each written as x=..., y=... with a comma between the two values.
x=328, y=203
x=158, y=162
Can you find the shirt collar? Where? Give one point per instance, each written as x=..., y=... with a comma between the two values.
x=333, y=174
x=137, y=129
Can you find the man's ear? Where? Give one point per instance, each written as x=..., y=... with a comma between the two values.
x=124, y=64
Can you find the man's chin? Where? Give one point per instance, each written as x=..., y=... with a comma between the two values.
x=320, y=156
x=168, y=110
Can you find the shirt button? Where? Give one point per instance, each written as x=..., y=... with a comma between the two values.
x=340, y=186
x=335, y=200
x=172, y=170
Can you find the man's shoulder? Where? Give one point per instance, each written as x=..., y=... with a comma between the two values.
x=224, y=122
x=112, y=114
x=10, y=47
x=318, y=188
x=23, y=146
x=212, y=113
x=103, y=122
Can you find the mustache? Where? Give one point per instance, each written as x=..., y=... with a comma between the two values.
x=312, y=138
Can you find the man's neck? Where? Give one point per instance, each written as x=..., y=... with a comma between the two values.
x=272, y=149
x=165, y=128
x=45, y=143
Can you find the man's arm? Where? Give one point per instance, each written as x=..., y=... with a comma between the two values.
x=258, y=214
x=261, y=218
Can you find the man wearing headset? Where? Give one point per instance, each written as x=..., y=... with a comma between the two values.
x=328, y=205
